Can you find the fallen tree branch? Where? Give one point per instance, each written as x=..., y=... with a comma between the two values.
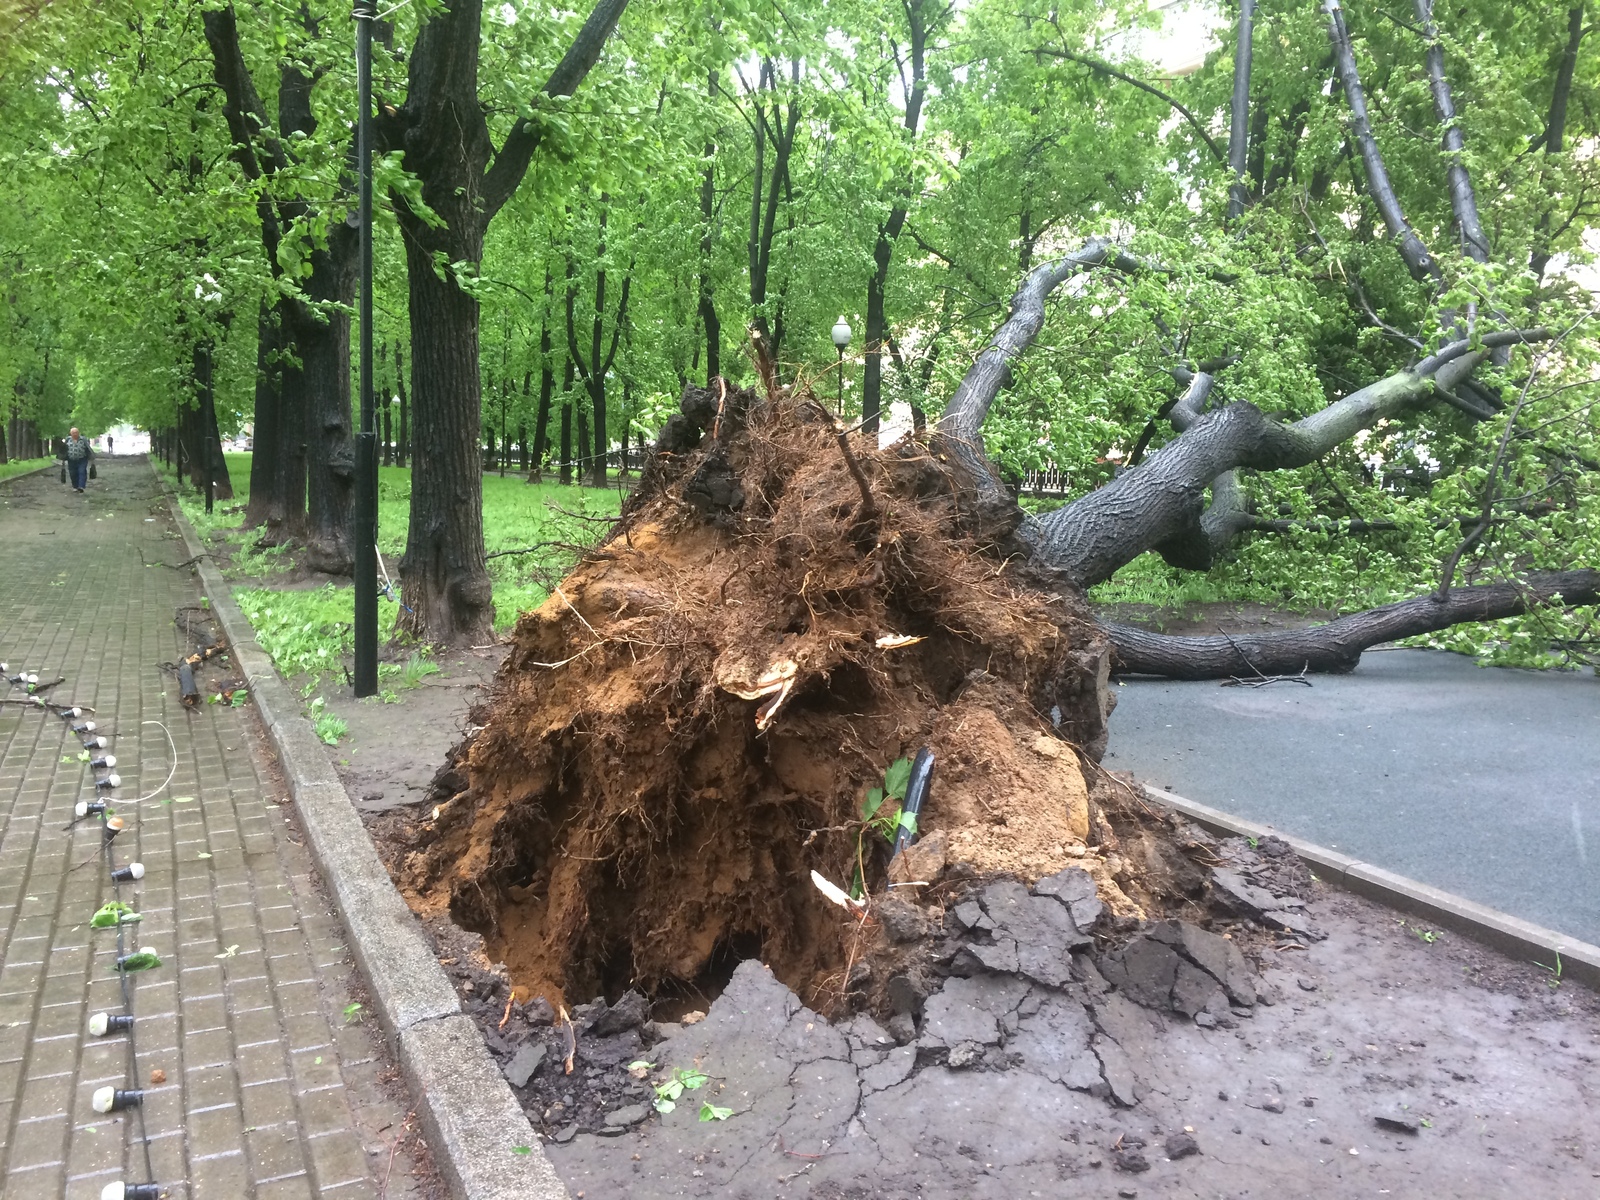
x=1337, y=646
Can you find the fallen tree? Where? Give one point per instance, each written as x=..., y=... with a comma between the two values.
x=1188, y=502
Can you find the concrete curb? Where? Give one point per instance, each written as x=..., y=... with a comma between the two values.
x=1510, y=935
x=481, y=1139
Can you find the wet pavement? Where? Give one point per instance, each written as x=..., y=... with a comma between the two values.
x=1481, y=781
x=255, y=1081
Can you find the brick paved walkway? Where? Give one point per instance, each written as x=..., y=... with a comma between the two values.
x=269, y=1092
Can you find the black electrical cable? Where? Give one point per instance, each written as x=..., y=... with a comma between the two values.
x=108, y=857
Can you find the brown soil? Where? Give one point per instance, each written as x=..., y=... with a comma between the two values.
x=687, y=728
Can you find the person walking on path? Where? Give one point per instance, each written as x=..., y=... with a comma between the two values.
x=77, y=451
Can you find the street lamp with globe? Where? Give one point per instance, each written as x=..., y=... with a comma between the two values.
x=841, y=339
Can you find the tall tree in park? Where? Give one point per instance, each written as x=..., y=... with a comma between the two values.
x=464, y=181
x=303, y=472
x=908, y=47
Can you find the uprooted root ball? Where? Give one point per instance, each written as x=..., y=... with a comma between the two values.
x=686, y=729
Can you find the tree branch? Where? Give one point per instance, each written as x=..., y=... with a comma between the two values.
x=1160, y=504
x=1337, y=646
x=511, y=163
x=1463, y=200
x=1239, y=115
x=960, y=428
x=1107, y=69
x=1417, y=259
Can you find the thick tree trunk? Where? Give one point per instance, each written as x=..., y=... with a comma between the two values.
x=444, y=575
x=443, y=132
x=403, y=450
x=286, y=517
x=1160, y=504
x=1337, y=646
x=323, y=338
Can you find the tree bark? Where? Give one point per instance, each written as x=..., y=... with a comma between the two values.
x=207, y=431
x=286, y=516
x=566, y=423
x=1337, y=645
x=961, y=427
x=1555, y=129
x=322, y=334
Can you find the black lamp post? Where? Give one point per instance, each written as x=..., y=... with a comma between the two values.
x=841, y=339
x=366, y=514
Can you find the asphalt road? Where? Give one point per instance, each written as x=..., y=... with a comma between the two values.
x=1485, y=782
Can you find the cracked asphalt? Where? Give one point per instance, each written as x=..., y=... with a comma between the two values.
x=1281, y=1102
x=1481, y=781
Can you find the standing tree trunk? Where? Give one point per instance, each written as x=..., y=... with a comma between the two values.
x=403, y=450
x=1239, y=126
x=547, y=385
x=566, y=424
x=443, y=134
x=707, y=298
x=323, y=338
x=207, y=432
x=287, y=518
x=264, y=452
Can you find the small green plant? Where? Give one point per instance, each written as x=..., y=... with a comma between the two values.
x=1427, y=935
x=671, y=1089
x=1555, y=972
x=329, y=726
x=417, y=668
x=877, y=819
x=1254, y=842
x=352, y=1012
x=713, y=1112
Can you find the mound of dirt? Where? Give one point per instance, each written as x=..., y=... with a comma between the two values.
x=687, y=728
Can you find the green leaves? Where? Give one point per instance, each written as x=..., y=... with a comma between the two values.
x=671, y=1089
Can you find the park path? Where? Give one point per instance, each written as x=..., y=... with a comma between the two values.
x=1483, y=782
x=269, y=1091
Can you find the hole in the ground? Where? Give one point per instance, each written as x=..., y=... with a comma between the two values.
x=675, y=998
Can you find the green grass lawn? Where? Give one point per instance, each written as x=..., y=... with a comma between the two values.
x=310, y=632
x=21, y=466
